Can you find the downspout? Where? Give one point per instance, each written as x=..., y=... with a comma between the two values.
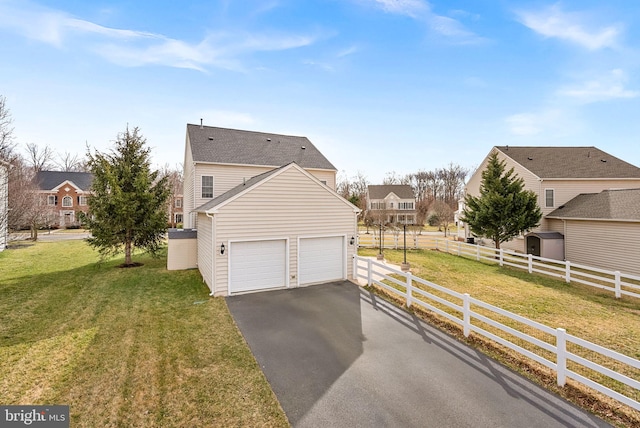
x=213, y=254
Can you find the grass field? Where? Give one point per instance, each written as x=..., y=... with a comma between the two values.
x=123, y=347
x=583, y=311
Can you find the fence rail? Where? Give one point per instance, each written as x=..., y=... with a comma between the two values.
x=621, y=284
x=569, y=356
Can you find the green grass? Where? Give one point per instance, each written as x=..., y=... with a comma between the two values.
x=123, y=347
x=587, y=312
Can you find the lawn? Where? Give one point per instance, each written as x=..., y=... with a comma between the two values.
x=584, y=311
x=123, y=347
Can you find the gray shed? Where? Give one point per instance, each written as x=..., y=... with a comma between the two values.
x=549, y=245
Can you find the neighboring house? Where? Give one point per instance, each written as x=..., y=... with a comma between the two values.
x=560, y=176
x=394, y=203
x=266, y=211
x=4, y=204
x=63, y=195
x=218, y=159
x=175, y=211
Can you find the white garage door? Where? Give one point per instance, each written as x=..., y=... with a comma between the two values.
x=257, y=265
x=321, y=259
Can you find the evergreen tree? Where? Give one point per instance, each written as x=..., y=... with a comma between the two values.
x=503, y=210
x=128, y=203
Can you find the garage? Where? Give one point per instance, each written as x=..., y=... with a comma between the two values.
x=257, y=265
x=321, y=259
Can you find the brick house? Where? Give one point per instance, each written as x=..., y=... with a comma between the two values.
x=63, y=195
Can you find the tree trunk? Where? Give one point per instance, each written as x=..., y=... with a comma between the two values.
x=34, y=232
x=127, y=250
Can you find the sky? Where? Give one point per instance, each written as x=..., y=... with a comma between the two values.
x=377, y=85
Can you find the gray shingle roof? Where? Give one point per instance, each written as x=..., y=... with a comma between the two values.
x=570, y=162
x=403, y=191
x=48, y=180
x=606, y=205
x=232, y=146
x=238, y=189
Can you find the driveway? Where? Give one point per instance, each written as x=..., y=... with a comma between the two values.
x=338, y=356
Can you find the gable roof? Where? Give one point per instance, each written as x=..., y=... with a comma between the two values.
x=255, y=182
x=49, y=180
x=403, y=191
x=233, y=146
x=570, y=162
x=606, y=205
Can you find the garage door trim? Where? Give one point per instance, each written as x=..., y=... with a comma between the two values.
x=344, y=254
x=229, y=263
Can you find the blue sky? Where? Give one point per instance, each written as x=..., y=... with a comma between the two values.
x=377, y=85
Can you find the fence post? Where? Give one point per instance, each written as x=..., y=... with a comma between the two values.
x=446, y=245
x=478, y=252
x=354, y=272
x=618, y=284
x=436, y=243
x=458, y=248
x=466, y=315
x=530, y=258
x=369, y=273
x=409, y=289
x=501, y=257
x=567, y=275
x=561, y=357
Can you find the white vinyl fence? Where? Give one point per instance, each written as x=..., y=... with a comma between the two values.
x=609, y=372
x=621, y=284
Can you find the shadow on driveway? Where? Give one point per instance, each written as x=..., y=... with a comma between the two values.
x=336, y=355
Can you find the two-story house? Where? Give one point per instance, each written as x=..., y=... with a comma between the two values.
x=585, y=213
x=266, y=211
x=4, y=204
x=393, y=203
x=64, y=194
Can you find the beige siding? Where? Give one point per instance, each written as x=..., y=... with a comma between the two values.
x=530, y=180
x=205, y=237
x=604, y=244
x=182, y=254
x=288, y=205
x=188, y=203
x=554, y=225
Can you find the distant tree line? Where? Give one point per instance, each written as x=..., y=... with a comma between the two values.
x=437, y=191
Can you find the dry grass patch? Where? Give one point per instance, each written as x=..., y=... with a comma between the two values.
x=124, y=347
x=583, y=311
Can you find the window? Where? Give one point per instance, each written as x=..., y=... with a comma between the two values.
x=52, y=200
x=207, y=186
x=391, y=205
x=82, y=200
x=405, y=205
x=549, y=198
x=178, y=218
x=178, y=202
x=67, y=201
x=377, y=205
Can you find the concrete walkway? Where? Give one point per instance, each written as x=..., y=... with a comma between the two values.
x=338, y=356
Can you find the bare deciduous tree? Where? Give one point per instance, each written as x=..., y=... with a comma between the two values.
x=40, y=158
x=69, y=162
x=6, y=131
x=444, y=214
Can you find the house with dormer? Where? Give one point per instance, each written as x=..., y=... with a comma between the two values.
x=392, y=203
x=589, y=201
x=265, y=212
x=63, y=195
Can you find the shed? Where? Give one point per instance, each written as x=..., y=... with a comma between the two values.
x=281, y=229
x=182, y=249
x=549, y=245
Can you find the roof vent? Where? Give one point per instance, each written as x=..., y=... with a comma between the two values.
x=210, y=138
x=201, y=124
x=268, y=139
x=529, y=157
x=303, y=147
x=603, y=160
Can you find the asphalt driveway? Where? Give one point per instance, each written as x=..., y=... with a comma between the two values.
x=338, y=356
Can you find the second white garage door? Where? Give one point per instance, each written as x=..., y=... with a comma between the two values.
x=257, y=265
x=321, y=259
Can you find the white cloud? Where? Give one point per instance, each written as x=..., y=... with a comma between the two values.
x=347, y=51
x=607, y=87
x=532, y=124
x=571, y=27
x=138, y=48
x=440, y=24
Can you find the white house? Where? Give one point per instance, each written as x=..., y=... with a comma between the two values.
x=396, y=203
x=261, y=225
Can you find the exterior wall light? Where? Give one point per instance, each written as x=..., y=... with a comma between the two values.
x=352, y=240
x=222, y=248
